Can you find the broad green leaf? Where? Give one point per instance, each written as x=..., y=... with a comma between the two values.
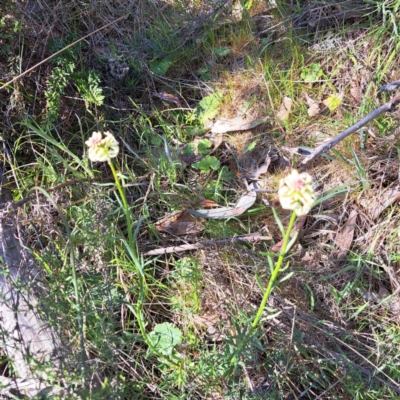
x=203, y=146
x=207, y=163
x=165, y=337
x=226, y=175
x=208, y=107
x=205, y=73
x=160, y=67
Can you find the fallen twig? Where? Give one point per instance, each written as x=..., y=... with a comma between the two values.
x=326, y=146
x=251, y=237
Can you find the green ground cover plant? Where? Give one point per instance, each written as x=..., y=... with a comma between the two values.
x=159, y=108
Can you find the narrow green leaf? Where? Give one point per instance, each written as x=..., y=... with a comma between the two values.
x=286, y=277
x=279, y=223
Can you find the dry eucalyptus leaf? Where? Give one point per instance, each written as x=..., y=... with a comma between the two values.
x=355, y=90
x=244, y=203
x=375, y=205
x=328, y=104
x=284, y=111
x=313, y=106
x=179, y=223
x=344, y=238
x=170, y=98
x=224, y=125
x=209, y=203
x=216, y=140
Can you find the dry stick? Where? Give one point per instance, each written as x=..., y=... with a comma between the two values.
x=324, y=147
x=60, y=51
x=251, y=237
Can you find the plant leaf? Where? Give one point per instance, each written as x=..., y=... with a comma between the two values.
x=160, y=67
x=203, y=147
x=189, y=149
x=344, y=238
x=165, y=337
x=208, y=107
x=312, y=73
x=333, y=101
x=284, y=111
x=221, y=51
x=244, y=203
x=207, y=163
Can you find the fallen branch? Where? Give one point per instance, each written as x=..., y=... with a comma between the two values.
x=326, y=146
x=251, y=237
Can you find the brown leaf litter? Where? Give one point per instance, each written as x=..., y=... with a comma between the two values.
x=344, y=238
x=179, y=223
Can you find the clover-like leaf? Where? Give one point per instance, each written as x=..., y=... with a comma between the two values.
x=333, y=101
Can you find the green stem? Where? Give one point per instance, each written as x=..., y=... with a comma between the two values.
x=275, y=272
x=126, y=209
x=268, y=291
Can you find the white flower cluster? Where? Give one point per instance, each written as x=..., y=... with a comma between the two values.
x=296, y=192
x=102, y=149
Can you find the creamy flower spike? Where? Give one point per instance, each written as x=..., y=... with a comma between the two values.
x=296, y=192
x=102, y=149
